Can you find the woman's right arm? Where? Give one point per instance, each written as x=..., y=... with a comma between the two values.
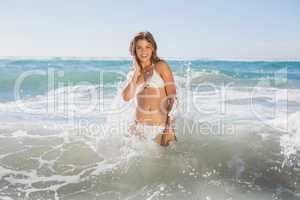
x=129, y=90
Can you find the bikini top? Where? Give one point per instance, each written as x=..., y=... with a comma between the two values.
x=155, y=80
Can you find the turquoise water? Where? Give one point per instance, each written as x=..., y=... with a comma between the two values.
x=76, y=71
x=63, y=132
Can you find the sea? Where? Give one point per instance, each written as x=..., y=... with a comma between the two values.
x=64, y=131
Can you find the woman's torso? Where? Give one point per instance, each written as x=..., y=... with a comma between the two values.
x=151, y=100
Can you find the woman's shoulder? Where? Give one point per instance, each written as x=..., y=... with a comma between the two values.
x=162, y=66
x=161, y=62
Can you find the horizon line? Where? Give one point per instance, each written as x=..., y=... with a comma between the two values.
x=167, y=58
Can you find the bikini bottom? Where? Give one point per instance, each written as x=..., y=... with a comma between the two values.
x=144, y=131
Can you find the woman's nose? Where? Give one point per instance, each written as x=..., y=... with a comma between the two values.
x=144, y=51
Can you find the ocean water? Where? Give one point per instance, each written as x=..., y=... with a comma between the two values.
x=63, y=132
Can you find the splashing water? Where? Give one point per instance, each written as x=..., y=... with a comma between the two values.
x=72, y=142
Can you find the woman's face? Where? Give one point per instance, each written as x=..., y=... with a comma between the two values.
x=144, y=50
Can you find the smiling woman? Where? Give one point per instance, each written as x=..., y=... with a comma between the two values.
x=153, y=85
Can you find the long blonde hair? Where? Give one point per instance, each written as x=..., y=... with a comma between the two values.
x=145, y=35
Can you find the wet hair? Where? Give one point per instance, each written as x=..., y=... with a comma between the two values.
x=145, y=35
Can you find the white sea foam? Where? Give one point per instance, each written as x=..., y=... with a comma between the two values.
x=54, y=155
x=290, y=142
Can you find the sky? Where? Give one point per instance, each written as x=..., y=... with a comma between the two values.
x=211, y=29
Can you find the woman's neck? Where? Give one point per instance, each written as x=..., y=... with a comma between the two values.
x=146, y=64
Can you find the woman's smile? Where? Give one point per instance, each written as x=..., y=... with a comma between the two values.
x=144, y=50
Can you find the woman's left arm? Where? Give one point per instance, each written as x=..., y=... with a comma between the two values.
x=166, y=73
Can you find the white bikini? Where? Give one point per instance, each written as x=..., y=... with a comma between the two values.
x=155, y=81
x=143, y=131
x=148, y=132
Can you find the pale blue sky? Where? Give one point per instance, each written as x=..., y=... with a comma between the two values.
x=232, y=29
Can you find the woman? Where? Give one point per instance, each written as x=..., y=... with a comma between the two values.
x=153, y=84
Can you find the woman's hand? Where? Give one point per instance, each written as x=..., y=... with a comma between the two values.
x=132, y=77
x=167, y=137
x=137, y=68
